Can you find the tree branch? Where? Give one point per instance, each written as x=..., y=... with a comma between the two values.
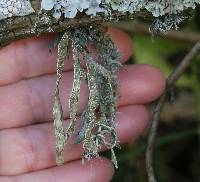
x=179, y=70
x=16, y=28
x=37, y=23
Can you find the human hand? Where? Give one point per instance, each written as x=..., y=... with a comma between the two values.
x=27, y=82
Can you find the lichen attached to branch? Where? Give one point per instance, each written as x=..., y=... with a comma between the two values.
x=98, y=120
x=165, y=11
x=158, y=8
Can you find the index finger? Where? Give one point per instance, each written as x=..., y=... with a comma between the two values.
x=30, y=58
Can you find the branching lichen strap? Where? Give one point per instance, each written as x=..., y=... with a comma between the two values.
x=100, y=69
x=59, y=130
x=110, y=61
x=89, y=145
x=113, y=105
x=75, y=93
x=111, y=89
x=113, y=158
x=57, y=110
x=111, y=110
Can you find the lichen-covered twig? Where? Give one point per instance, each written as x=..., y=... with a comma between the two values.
x=74, y=97
x=57, y=110
x=179, y=70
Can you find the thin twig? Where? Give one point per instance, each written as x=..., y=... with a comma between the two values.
x=175, y=75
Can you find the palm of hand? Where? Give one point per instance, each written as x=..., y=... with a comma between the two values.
x=27, y=82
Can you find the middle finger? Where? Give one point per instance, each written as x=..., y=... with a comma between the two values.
x=31, y=101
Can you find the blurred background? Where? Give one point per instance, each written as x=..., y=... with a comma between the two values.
x=177, y=154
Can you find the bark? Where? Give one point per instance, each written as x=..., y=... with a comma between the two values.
x=16, y=28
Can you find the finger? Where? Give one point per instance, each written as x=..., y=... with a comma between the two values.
x=98, y=170
x=33, y=147
x=32, y=100
x=31, y=57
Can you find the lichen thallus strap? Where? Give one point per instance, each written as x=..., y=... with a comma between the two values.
x=98, y=125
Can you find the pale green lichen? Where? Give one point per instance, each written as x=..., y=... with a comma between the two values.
x=166, y=12
x=57, y=110
x=92, y=7
x=98, y=125
x=74, y=97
